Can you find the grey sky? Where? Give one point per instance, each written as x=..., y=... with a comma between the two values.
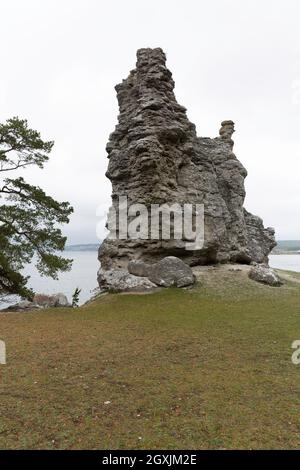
x=230, y=59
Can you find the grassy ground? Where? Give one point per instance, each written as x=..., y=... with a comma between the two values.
x=206, y=368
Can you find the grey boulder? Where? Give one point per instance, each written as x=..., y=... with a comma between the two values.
x=169, y=271
x=264, y=274
x=47, y=301
x=40, y=301
x=122, y=281
x=139, y=268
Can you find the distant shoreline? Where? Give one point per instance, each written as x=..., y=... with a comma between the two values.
x=83, y=247
x=284, y=252
x=287, y=247
x=284, y=247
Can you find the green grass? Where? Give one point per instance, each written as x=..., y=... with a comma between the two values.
x=207, y=368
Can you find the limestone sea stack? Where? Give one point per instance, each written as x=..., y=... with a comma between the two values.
x=156, y=157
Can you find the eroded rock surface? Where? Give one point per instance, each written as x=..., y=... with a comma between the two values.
x=155, y=156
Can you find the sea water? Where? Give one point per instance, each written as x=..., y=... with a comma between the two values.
x=84, y=274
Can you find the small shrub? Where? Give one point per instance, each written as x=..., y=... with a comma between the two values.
x=75, y=297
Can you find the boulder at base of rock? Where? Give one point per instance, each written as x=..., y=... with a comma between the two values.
x=23, y=306
x=123, y=281
x=170, y=271
x=265, y=274
x=40, y=301
x=139, y=268
x=55, y=300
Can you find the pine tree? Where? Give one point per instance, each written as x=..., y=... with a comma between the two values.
x=29, y=218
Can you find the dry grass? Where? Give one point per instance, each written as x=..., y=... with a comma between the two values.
x=203, y=368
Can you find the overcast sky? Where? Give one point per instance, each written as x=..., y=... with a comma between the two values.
x=230, y=59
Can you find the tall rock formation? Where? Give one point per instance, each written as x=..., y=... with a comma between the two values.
x=156, y=157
